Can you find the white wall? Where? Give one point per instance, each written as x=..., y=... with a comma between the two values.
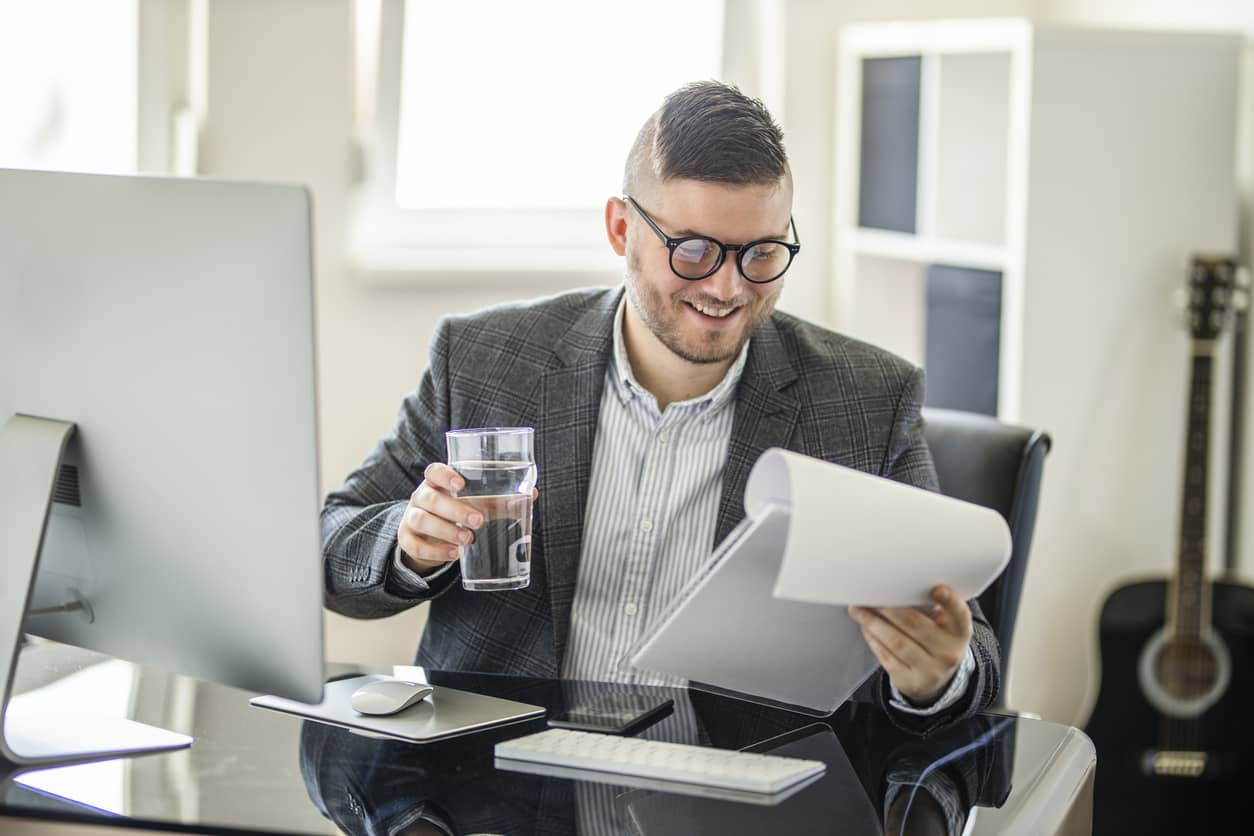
x=1192, y=15
x=1059, y=623
x=280, y=108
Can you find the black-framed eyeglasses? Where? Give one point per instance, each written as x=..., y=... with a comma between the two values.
x=696, y=257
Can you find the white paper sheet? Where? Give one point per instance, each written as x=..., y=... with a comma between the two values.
x=854, y=538
x=765, y=619
x=728, y=634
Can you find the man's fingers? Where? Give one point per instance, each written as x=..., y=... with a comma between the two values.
x=903, y=647
x=919, y=649
x=435, y=523
x=424, y=549
x=954, y=615
x=437, y=502
x=443, y=476
x=423, y=523
x=917, y=626
x=896, y=669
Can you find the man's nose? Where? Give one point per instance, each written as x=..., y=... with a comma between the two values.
x=724, y=283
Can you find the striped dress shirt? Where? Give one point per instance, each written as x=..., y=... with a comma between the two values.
x=651, y=514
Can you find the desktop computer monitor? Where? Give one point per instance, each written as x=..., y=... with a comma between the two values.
x=171, y=323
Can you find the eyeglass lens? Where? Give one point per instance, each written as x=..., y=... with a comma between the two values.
x=696, y=258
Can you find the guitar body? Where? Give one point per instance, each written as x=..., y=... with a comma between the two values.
x=1125, y=726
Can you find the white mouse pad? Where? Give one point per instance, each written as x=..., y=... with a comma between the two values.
x=448, y=712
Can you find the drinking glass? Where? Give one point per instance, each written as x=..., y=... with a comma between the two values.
x=498, y=465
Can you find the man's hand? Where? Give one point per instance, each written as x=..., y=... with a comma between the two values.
x=920, y=648
x=436, y=523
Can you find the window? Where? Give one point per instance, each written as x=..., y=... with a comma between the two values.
x=497, y=129
x=68, y=81
x=490, y=119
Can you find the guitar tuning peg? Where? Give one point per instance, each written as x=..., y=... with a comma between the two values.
x=1180, y=298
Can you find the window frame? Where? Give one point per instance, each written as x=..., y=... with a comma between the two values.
x=423, y=246
x=387, y=244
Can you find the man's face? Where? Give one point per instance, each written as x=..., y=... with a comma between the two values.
x=709, y=320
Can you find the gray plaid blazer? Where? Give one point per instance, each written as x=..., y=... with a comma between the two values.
x=542, y=364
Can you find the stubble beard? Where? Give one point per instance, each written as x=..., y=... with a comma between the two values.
x=655, y=311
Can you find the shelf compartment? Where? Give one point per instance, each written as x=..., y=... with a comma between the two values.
x=924, y=250
x=965, y=192
x=889, y=143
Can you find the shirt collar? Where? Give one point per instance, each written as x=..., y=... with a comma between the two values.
x=626, y=386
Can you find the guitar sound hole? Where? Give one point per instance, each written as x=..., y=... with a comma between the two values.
x=1186, y=669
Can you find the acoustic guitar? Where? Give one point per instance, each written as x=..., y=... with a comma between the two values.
x=1174, y=720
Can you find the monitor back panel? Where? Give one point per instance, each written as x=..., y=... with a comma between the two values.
x=172, y=321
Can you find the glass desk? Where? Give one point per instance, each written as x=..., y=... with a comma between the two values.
x=256, y=771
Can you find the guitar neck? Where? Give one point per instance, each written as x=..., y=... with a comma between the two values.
x=1236, y=444
x=1189, y=599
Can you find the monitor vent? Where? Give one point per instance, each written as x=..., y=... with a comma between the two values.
x=66, y=491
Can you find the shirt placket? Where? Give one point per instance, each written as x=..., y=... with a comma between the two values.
x=648, y=527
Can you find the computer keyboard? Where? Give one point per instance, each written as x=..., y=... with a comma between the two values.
x=659, y=760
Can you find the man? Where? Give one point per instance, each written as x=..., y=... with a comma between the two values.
x=651, y=402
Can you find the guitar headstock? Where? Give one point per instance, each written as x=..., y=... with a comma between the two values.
x=1212, y=283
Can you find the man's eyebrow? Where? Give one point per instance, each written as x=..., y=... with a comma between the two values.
x=691, y=233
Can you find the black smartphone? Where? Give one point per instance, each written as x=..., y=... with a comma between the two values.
x=614, y=713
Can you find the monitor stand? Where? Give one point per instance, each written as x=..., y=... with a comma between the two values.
x=30, y=457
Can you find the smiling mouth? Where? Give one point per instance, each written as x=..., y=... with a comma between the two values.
x=716, y=313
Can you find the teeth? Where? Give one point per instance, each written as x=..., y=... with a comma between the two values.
x=712, y=311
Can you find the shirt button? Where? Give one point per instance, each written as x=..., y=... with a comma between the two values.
x=646, y=525
x=629, y=608
x=663, y=437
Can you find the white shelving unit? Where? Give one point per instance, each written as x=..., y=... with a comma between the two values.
x=1012, y=117
x=1086, y=167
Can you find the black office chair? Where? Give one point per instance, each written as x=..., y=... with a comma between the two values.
x=982, y=460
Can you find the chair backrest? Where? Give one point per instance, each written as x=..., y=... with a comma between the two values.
x=982, y=460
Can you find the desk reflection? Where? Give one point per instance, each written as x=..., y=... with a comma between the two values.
x=879, y=779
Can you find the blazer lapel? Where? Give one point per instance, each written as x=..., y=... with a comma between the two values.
x=570, y=397
x=766, y=414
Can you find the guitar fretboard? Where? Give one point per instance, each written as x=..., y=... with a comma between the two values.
x=1189, y=597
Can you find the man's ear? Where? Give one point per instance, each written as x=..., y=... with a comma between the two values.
x=616, y=224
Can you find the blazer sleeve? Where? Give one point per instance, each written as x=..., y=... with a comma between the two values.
x=908, y=459
x=360, y=518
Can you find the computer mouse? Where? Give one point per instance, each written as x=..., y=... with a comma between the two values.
x=388, y=696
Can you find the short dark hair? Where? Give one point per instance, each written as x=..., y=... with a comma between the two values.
x=708, y=131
